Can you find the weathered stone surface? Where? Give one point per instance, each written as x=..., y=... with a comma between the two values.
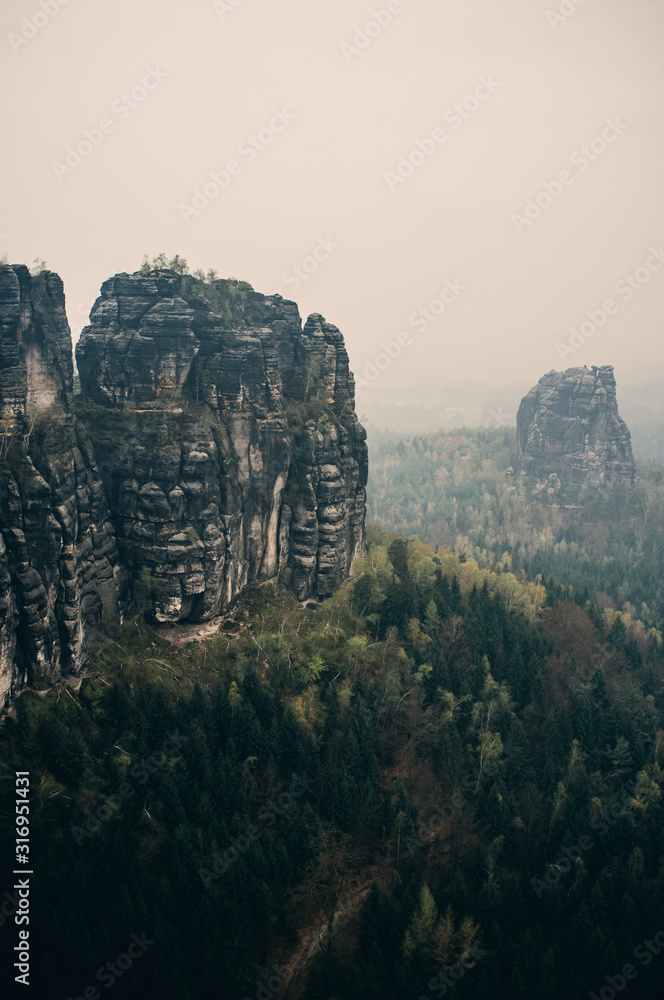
x=59, y=565
x=229, y=445
x=36, y=367
x=568, y=427
x=214, y=443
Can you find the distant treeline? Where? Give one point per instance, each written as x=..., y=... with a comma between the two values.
x=451, y=490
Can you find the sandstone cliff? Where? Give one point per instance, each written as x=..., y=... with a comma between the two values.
x=214, y=443
x=569, y=426
x=59, y=566
x=226, y=437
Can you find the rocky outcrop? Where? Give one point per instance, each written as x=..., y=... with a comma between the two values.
x=568, y=426
x=214, y=443
x=36, y=365
x=59, y=565
x=226, y=437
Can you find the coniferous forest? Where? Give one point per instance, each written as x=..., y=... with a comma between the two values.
x=332, y=500
x=461, y=490
x=444, y=780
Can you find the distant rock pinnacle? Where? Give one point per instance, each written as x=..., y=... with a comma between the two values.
x=568, y=425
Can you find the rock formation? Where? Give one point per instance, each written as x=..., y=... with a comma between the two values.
x=214, y=443
x=226, y=437
x=569, y=426
x=59, y=565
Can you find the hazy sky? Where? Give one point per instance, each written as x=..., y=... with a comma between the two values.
x=334, y=114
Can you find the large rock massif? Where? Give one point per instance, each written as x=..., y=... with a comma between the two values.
x=59, y=566
x=214, y=443
x=569, y=426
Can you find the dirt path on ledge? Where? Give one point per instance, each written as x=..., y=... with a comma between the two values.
x=180, y=635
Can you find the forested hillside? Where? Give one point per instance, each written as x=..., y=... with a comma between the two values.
x=451, y=489
x=440, y=779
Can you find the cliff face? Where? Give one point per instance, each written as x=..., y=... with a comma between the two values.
x=569, y=425
x=226, y=437
x=214, y=443
x=59, y=568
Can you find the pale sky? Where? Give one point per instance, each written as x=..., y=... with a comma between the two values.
x=350, y=107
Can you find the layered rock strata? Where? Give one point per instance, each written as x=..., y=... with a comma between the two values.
x=569, y=426
x=60, y=573
x=214, y=443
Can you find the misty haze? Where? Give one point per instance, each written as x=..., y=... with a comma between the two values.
x=332, y=500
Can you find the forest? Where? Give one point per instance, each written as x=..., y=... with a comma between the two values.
x=459, y=490
x=443, y=779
